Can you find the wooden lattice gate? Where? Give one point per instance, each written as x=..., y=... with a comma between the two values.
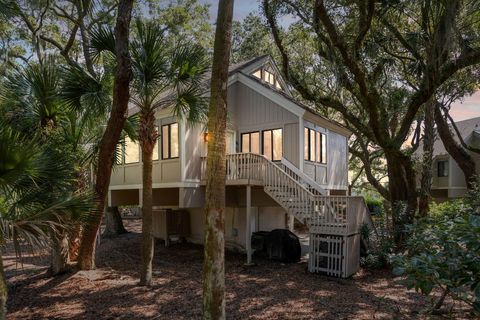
x=333, y=255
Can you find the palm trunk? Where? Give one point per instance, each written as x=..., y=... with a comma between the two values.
x=427, y=161
x=113, y=223
x=3, y=290
x=121, y=95
x=59, y=254
x=74, y=236
x=148, y=137
x=214, y=251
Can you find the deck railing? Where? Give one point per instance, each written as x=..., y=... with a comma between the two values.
x=340, y=215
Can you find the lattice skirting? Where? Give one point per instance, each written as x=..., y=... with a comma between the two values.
x=337, y=256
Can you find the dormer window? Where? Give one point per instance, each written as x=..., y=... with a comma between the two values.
x=268, y=77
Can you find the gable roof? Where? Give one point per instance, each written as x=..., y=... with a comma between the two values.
x=246, y=68
x=469, y=130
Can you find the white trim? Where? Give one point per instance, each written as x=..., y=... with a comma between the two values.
x=271, y=95
x=182, y=142
x=140, y=197
x=184, y=184
x=301, y=143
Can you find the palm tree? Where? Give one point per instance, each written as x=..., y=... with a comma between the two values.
x=163, y=77
x=35, y=198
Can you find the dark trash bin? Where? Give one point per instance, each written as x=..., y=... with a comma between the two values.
x=279, y=244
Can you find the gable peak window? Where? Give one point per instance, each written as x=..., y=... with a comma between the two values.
x=268, y=76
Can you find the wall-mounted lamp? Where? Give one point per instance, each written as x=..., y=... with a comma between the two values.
x=205, y=137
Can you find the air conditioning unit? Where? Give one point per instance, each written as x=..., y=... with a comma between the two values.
x=171, y=224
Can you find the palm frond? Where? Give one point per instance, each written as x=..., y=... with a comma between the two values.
x=102, y=40
x=80, y=91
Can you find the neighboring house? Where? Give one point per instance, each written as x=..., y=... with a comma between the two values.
x=448, y=179
x=284, y=160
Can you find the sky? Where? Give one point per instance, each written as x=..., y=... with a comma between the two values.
x=461, y=110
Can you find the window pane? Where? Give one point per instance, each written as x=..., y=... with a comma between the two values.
x=155, y=149
x=277, y=144
x=443, y=168
x=132, y=151
x=324, y=148
x=245, y=143
x=258, y=74
x=267, y=144
x=305, y=154
x=317, y=146
x=312, y=145
x=174, y=140
x=119, y=154
x=165, y=153
x=255, y=142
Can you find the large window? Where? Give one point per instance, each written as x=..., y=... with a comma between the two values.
x=272, y=144
x=442, y=168
x=251, y=142
x=170, y=141
x=315, y=146
x=132, y=151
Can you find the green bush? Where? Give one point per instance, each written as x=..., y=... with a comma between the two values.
x=375, y=205
x=443, y=252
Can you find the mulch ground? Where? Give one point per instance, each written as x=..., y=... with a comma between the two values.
x=268, y=290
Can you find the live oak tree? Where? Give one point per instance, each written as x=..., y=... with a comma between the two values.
x=377, y=64
x=214, y=239
x=121, y=96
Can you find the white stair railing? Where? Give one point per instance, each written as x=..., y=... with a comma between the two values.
x=302, y=178
x=322, y=213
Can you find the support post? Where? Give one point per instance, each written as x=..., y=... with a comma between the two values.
x=140, y=201
x=248, y=227
x=291, y=220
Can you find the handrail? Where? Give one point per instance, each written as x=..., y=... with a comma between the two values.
x=306, y=179
x=323, y=213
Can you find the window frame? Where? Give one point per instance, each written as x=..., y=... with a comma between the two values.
x=446, y=172
x=169, y=142
x=322, y=144
x=124, y=153
x=249, y=133
x=271, y=143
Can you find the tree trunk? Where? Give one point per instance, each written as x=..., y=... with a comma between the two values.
x=59, y=255
x=74, y=237
x=113, y=223
x=402, y=191
x=148, y=138
x=214, y=251
x=427, y=159
x=121, y=95
x=458, y=153
x=3, y=290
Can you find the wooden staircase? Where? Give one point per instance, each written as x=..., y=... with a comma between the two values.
x=334, y=222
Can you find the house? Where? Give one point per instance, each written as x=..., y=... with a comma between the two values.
x=448, y=179
x=284, y=161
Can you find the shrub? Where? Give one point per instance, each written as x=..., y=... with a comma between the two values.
x=443, y=252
